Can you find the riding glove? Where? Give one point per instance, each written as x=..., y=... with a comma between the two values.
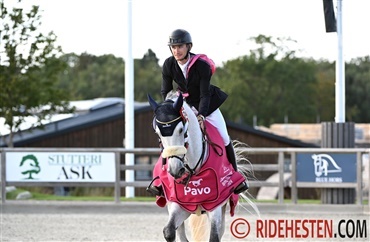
x=201, y=119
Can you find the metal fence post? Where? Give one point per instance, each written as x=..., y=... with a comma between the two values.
x=281, y=177
x=3, y=177
x=368, y=182
x=293, y=158
x=359, y=178
x=117, y=184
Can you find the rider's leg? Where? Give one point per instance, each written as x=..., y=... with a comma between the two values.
x=232, y=159
x=231, y=155
x=217, y=120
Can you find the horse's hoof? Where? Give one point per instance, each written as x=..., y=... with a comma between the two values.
x=157, y=191
x=241, y=188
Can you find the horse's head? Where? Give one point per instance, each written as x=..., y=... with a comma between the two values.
x=171, y=126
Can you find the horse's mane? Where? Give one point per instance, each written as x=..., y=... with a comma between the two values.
x=173, y=95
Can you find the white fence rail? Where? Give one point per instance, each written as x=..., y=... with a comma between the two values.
x=277, y=166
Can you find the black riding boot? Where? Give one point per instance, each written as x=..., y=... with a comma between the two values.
x=232, y=159
x=231, y=155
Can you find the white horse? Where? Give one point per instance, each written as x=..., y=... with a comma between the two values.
x=185, y=150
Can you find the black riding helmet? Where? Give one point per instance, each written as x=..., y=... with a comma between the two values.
x=178, y=37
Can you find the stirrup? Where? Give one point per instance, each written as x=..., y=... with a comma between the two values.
x=242, y=187
x=157, y=191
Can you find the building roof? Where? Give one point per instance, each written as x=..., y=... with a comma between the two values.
x=270, y=135
x=88, y=113
x=312, y=133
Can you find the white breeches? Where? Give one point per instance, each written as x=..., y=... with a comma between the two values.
x=217, y=119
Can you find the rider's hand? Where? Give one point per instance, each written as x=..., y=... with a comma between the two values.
x=201, y=119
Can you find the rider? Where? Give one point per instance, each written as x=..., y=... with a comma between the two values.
x=195, y=86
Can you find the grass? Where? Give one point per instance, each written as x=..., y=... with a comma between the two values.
x=50, y=197
x=288, y=201
x=300, y=201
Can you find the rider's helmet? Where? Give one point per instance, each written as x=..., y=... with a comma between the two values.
x=178, y=37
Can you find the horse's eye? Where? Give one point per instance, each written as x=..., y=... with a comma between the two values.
x=180, y=131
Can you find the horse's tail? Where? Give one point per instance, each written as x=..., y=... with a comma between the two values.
x=199, y=227
x=246, y=169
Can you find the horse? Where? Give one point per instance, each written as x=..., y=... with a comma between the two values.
x=185, y=149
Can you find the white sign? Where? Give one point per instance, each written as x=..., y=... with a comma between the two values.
x=60, y=167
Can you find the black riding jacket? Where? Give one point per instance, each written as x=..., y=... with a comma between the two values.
x=205, y=97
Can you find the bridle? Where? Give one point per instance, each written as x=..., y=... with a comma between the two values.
x=184, y=119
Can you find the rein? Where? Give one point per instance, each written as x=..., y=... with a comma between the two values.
x=209, y=141
x=192, y=170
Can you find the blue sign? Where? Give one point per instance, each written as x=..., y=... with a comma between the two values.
x=326, y=167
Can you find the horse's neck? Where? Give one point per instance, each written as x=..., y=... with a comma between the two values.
x=195, y=141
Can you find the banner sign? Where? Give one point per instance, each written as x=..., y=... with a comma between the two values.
x=326, y=167
x=60, y=167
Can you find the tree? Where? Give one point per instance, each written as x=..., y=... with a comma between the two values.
x=29, y=66
x=88, y=76
x=324, y=100
x=148, y=77
x=358, y=90
x=271, y=84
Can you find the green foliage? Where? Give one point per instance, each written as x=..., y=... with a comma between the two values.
x=148, y=77
x=88, y=76
x=357, y=74
x=99, y=194
x=269, y=88
x=270, y=83
x=324, y=96
x=29, y=67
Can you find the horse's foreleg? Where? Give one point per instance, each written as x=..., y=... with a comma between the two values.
x=217, y=218
x=177, y=216
x=181, y=232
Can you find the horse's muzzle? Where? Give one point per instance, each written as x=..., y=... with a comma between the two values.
x=180, y=173
x=184, y=178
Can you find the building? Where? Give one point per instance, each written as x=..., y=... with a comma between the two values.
x=100, y=123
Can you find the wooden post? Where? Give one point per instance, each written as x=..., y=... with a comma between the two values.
x=338, y=135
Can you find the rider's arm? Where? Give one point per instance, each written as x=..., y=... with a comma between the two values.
x=205, y=87
x=167, y=79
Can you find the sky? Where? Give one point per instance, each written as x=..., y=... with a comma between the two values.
x=221, y=29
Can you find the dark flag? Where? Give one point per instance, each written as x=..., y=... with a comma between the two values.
x=330, y=21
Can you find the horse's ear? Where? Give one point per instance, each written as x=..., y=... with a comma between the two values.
x=178, y=104
x=152, y=103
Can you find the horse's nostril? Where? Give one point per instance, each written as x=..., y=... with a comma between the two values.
x=181, y=171
x=179, y=174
